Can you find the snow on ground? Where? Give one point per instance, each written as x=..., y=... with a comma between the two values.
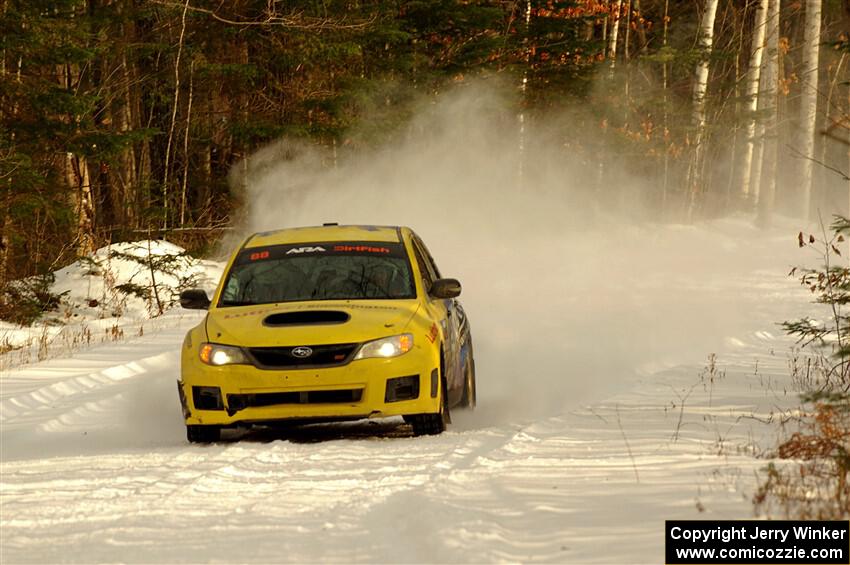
x=104, y=294
x=92, y=287
x=94, y=466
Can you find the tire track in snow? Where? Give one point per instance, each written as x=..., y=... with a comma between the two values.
x=51, y=401
x=546, y=491
x=249, y=487
x=43, y=394
x=399, y=522
x=520, y=493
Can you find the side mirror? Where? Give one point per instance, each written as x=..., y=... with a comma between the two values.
x=445, y=288
x=194, y=299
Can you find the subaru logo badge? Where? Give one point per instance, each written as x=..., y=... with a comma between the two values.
x=301, y=351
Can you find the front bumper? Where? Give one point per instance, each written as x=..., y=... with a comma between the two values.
x=356, y=390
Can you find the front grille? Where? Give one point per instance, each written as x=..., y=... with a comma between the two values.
x=237, y=402
x=321, y=356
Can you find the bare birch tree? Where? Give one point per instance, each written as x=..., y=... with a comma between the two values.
x=751, y=96
x=524, y=90
x=184, y=186
x=5, y=221
x=808, y=104
x=615, y=26
x=766, y=179
x=705, y=42
x=758, y=135
x=165, y=179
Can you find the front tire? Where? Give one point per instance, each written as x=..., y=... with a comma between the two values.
x=203, y=434
x=432, y=424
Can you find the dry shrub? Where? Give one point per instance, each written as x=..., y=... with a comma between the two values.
x=814, y=484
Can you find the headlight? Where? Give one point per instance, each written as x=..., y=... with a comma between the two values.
x=217, y=355
x=386, y=347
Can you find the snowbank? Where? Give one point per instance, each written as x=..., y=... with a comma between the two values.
x=128, y=279
x=117, y=285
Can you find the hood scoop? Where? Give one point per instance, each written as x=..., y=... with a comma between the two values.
x=306, y=318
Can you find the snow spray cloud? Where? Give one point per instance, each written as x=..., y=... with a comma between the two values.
x=566, y=302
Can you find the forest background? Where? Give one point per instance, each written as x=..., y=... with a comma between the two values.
x=128, y=118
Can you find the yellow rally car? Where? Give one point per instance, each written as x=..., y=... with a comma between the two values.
x=327, y=323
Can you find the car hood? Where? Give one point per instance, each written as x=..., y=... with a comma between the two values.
x=309, y=323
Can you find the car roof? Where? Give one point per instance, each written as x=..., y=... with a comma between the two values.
x=317, y=234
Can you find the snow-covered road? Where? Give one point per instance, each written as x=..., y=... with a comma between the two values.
x=94, y=466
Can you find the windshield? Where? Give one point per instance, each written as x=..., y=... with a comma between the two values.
x=319, y=271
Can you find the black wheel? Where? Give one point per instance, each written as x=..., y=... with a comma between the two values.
x=432, y=424
x=469, y=399
x=203, y=434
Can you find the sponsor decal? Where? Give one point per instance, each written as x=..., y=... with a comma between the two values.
x=341, y=305
x=312, y=249
x=308, y=249
x=361, y=248
x=432, y=334
x=246, y=314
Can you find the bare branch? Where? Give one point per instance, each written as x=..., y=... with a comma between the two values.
x=173, y=117
x=294, y=20
x=843, y=123
x=839, y=172
x=628, y=447
x=9, y=173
